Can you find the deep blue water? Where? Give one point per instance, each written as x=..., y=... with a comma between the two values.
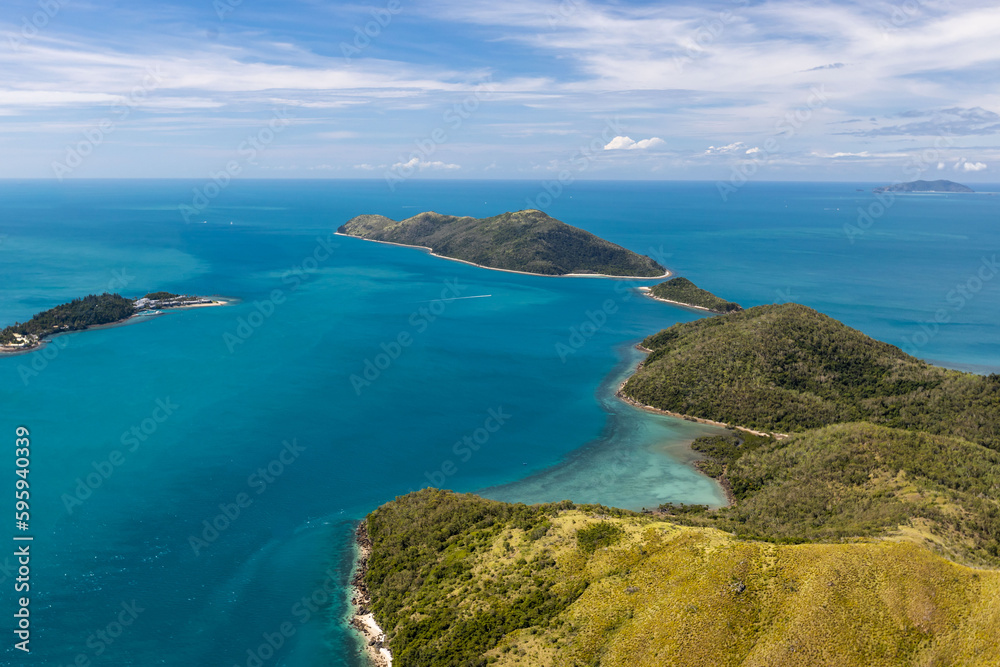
x=254, y=403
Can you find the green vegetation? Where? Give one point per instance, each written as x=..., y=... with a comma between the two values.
x=528, y=241
x=467, y=585
x=789, y=368
x=73, y=316
x=684, y=291
x=600, y=535
x=432, y=594
x=853, y=480
x=92, y=310
x=926, y=186
x=850, y=542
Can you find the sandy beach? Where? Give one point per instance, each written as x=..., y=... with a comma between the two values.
x=648, y=291
x=430, y=251
x=362, y=619
x=699, y=420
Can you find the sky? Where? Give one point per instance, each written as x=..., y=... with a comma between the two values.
x=512, y=89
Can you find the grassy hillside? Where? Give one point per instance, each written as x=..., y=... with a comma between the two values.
x=474, y=582
x=789, y=368
x=683, y=290
x=851, y=480
x=521, y=241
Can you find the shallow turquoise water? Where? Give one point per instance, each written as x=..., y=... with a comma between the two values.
x=276, y=368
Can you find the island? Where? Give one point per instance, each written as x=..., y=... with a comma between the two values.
x=925, y=186
x=92, y=311
x=869, y=534
x=682, y=292
x=527, y=241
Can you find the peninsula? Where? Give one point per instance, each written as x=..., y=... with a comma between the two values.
x=91, y=311
x=868, y=536
x=925, y=186
x=683, y=292
x=526, y=241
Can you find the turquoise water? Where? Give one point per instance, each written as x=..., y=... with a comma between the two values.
x=247, y=416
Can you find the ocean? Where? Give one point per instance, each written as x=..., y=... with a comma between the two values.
x=196, y=476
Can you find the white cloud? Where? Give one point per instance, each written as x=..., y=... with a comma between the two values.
x=731, y=149
x=421, y=165
x=940, y=166
x=629, y=144
x=337, y=135
x=973, y=166
x=365, y=167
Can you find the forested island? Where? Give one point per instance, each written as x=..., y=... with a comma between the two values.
x=848, y=542
x=685, y=293
x=926, y=186
x=90, y=311
x=528, y=241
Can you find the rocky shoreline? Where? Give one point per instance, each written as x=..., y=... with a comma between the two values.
x=362, y=619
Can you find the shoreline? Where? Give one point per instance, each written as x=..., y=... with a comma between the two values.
x=362, y=619
x=431, y=252
x=131, y=319
x=649, y=408
x=648, y=291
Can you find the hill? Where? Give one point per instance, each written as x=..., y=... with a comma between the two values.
x=683, y=291
x=528, y=241
x=460, y=580
x=926, y=186
x=788, y=368
x=856, y=480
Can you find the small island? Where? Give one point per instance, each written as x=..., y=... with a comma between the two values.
x=526, y=241
x=925, y=186
x=683, y=292
x=91, y=311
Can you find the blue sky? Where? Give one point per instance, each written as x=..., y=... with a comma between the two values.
x=783, y=90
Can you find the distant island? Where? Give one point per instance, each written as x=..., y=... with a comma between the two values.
x=926, y=186
x=90, y=311
x=683, y=292
x=872, y=520
x=526, y=241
